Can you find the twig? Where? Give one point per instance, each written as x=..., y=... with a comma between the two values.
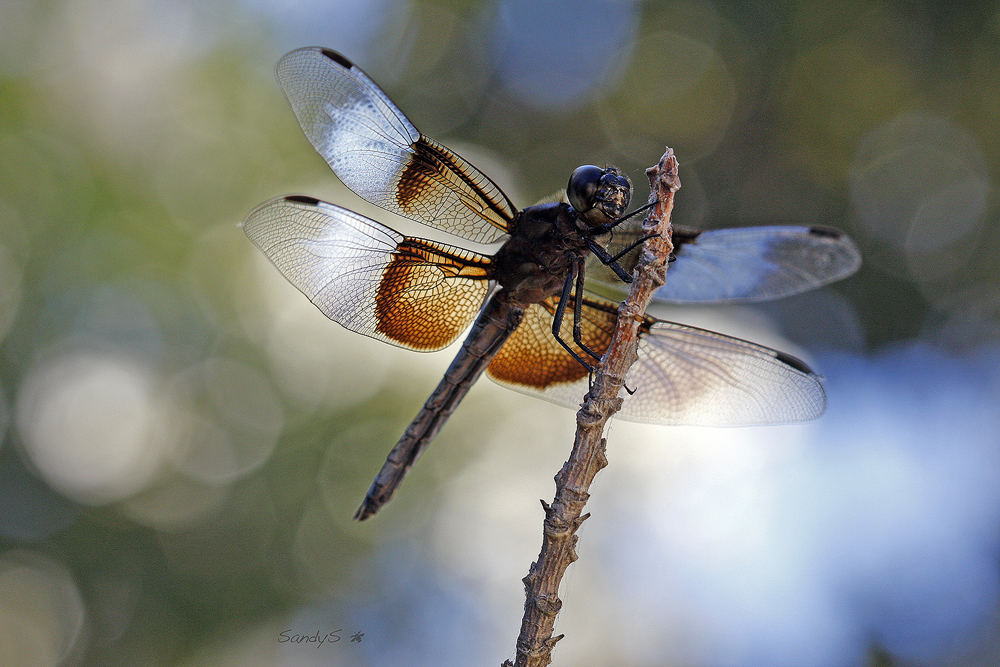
x=564, y=516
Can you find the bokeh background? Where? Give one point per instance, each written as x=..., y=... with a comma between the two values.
x=185, y=438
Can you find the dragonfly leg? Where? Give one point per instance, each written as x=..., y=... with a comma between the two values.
x=560, y=314
x=602, y=254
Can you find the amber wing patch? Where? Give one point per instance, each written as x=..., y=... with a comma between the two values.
x=533, y=359
x=428, y=295
x=438, y=187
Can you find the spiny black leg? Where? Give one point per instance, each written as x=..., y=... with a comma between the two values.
x=637, y=211
x=578, y=309
x=557, y=318
x=606, y=259
x=611, y=261
x=633, y=246
x=607, y=227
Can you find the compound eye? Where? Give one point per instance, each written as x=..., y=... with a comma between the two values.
x=583, y=185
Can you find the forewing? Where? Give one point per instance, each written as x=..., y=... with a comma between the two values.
x=410, y=292
x=744, y=264
x=381, y=156
x=684, y=375
x=758, y=263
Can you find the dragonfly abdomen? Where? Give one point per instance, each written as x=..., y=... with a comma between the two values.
x=492, y=328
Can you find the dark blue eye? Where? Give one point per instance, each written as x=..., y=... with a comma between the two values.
x=583, y=185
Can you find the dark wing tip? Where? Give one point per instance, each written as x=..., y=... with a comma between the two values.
x=303, y=199
x=337, y=58
x=794, y=362
x=849, y=249
x=826, y=232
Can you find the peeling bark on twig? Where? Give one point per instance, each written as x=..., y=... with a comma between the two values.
x=564, y=516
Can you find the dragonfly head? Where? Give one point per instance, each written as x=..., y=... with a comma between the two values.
x=600, y=196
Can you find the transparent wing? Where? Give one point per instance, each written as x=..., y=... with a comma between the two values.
x=684, y=375
x=410, y=292
x=744, y=263
x=687, y=375
x=381, y=156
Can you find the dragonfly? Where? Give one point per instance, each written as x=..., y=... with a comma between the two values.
x=535, y=327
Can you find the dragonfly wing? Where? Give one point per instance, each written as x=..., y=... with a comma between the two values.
x=410, y=292
x=684, y=375
x=687, y=375
x=742, y=264
x=757, y=263
x=378, y=153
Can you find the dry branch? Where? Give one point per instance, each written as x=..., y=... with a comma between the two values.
x=564, y=516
